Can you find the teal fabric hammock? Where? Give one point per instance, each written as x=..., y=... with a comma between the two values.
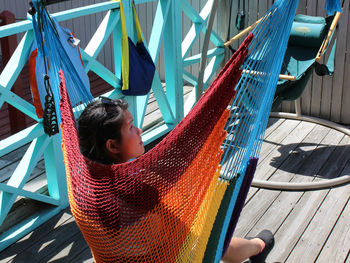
x=306, y=38
x=308, y=35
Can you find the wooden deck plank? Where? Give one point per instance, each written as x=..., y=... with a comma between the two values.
x=71, y=248
x=278, y=154
x=253, y=210
x=85, y=256
x=272, y=125
x=337, y=246
x=286, y=201
x=289, y=233
x=279, y=134
x=337, y=161
x=50, y=245
x=35, y=239
x=11, y=157
x=279, y=148
x=316, y=234
x=297, y=221
x=320, y=155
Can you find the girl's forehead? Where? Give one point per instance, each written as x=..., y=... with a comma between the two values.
x=127, y=116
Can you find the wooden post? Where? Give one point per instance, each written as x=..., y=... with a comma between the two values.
x=8, y=46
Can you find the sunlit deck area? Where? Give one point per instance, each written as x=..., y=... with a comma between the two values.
x=309, y=226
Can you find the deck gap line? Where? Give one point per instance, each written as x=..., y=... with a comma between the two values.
x=330, y=232
x=310, y=220
x=277, y=196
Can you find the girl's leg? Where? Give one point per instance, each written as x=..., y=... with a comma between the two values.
x=241, y=249
x=256, y=248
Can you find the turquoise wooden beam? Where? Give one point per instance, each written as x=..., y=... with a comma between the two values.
x=114, y=94
x=21, y=138
x=189, y=77
x=142, y=1
x=211, y=68
x=10, y=74
x=163, y=103
x=173, y=61
x=102, y=33
x=31, y=195
x=117, y=36
x=86, y=10
x=22, y=172
x=18, y=59
x=23, y=26
x=200, y=21
x=55, y=171
x=196, y=58
x=158, y=28
x=141, y=104
x=99, y=69
x=17, y=102
x=156, y=133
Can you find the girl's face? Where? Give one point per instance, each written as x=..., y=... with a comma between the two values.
x=131, y=145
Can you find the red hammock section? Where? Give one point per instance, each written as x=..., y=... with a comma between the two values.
x=160, y=207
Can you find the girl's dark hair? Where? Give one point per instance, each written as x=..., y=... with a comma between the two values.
x=101, y=120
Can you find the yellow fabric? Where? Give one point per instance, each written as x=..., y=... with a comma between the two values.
x=125, y=42
x=137, y=24
x=125, y=48
x=196, y=242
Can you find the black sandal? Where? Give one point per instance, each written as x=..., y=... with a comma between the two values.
x=269, y=240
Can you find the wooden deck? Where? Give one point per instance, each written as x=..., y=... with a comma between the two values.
x=309, y=226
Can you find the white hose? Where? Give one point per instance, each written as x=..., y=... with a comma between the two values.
x=288, y=186
x=324, y=184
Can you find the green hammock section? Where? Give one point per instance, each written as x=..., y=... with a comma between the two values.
x=305, y=40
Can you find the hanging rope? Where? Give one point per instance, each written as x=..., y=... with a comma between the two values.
x=50, y=122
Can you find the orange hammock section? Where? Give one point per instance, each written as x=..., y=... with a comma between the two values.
x=160, y=207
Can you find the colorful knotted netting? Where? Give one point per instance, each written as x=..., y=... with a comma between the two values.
x=160, y=207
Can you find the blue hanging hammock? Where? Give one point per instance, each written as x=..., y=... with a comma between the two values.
x=57, y=50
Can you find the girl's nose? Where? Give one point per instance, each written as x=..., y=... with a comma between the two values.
x=139, y=131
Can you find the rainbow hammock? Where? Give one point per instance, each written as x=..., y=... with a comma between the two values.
x=180, y=201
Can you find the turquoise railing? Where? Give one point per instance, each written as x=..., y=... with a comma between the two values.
x=166, y=28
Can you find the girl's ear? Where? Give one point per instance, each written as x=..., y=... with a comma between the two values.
x=112, y=147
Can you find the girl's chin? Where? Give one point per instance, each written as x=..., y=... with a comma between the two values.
x=142, y=150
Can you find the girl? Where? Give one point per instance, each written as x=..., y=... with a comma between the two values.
x=107, y=135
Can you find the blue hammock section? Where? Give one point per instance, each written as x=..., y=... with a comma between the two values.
x=249, y=115
x=57, y=45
